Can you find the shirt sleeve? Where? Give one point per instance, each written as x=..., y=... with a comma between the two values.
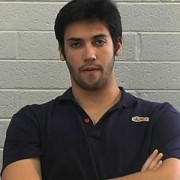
x=22, y=137
x=166, y=132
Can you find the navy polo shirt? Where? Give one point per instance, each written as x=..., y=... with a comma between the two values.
x=70, y=146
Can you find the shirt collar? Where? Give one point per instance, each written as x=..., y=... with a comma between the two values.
x=67, y=96
x=127, y=99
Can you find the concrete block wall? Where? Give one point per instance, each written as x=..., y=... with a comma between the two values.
x=31, y=72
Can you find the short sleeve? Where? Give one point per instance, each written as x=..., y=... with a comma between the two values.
x=22, y=137
x=166, y=132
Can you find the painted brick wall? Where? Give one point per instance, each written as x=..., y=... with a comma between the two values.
x=30, y=70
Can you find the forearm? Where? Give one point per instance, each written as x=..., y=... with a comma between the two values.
x=169, y=170
x=27, y=169
x=143, y=176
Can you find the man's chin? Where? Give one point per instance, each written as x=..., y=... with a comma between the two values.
x=91, y=87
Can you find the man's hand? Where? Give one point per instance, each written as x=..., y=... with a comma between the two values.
x=153, y=162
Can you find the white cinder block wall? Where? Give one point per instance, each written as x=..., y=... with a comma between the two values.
x=31, y=72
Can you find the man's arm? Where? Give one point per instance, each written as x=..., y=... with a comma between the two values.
x=27, y=169
x=169, y=170
x=30, y=169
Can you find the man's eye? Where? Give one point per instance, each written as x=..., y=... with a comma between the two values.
x=99, y=42
x=75, y=45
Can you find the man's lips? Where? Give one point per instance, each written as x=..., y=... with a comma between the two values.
x=90, y=68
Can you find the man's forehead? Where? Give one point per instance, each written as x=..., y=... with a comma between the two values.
x=83, y=29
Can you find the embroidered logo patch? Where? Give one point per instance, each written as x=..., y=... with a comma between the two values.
x=140, y=119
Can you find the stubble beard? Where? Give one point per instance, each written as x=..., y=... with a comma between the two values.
x=94, y=84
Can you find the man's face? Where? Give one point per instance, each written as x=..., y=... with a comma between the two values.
x=89, y=54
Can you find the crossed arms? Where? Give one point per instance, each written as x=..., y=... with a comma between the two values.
x=169, y=170
x=153, y=169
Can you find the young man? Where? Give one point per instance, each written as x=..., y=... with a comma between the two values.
x=95, y=130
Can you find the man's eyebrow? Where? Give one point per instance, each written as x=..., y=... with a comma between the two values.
x=74, y=39
x=94, y=37
x=99, y=36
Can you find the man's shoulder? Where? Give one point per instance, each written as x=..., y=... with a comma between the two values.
x=38, y=106
x=39, y=112
x=164, y=106
x=140, y=104
x=46, y=106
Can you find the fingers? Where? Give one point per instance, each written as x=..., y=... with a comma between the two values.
x=157, y=165
x=153, y=162
x=156, y=162
x=149, y=160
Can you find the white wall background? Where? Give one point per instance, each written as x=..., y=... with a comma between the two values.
x=30, y=70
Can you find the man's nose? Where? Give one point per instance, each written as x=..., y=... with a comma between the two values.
x=89, y=53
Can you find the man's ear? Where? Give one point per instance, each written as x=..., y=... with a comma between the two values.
x=61, y=54
x=119, y=47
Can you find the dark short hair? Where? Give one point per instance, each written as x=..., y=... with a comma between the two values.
x=89, y=10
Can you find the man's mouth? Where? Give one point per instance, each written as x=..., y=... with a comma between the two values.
x=90, y=69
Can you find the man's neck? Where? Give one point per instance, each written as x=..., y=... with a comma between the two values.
x=96, y=103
